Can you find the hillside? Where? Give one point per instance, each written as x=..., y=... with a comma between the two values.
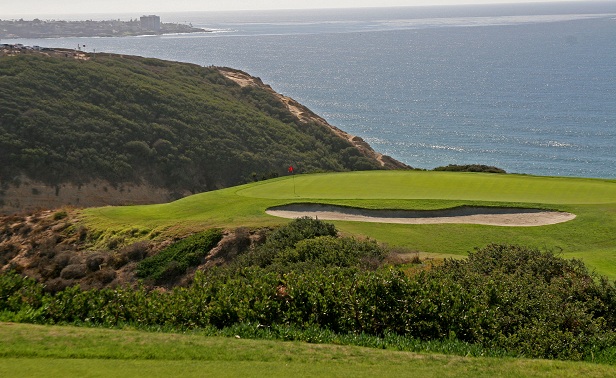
x=218, y=261
x=102, y=245
x=96, y=129
x=305, y=281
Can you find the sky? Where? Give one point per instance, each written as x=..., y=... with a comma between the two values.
x=38, y=8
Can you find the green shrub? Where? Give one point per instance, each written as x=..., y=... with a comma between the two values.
x=514, y=299
x=533, y=302
x=59, y=215
x=286, y=237
x=18, y=294
x=299, y=229
x=332, y=251
x=179, y=256
x=470, y=168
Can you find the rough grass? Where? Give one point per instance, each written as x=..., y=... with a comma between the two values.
x=590, y=236
x=50, y=351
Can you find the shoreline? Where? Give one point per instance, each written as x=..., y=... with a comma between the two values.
x=39, y=29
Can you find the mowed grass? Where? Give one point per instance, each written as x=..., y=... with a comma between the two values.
x=55, y=351
x=591, y=236
x=439, y=186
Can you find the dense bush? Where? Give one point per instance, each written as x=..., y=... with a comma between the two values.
x=286, y=237
x=519, y=300
x=537, y=304
x=179, y=256
x=74, y=271
x=331, y=251
x=470, y=168
x=297, y=230
x=18, y=295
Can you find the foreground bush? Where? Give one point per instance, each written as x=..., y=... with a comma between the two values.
x=532, y=302
x=284, y=238
x=510, y=298
x=179, y=256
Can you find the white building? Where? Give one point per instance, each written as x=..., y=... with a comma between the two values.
x=150, y=22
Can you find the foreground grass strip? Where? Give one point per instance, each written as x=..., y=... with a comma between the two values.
x=400, y=367
x=50, y=351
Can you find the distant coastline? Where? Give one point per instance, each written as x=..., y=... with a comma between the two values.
x=109, y=28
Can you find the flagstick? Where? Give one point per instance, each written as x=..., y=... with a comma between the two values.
x=293, y=174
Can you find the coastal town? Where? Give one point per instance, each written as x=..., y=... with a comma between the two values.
x=145, y=25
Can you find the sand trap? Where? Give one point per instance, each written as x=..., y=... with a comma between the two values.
x=493, y=216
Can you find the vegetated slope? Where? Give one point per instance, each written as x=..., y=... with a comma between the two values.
x=304, y=281
x=73, y=118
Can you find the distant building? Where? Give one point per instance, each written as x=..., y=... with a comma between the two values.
x=150, y=22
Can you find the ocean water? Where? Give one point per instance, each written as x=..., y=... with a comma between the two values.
x=528, y=88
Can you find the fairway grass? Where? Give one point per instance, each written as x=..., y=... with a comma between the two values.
x=54, y=351
x=589, y=236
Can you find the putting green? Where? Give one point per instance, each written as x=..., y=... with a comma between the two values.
x=439, y=186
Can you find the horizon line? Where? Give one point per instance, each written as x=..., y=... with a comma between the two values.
x=448, y=5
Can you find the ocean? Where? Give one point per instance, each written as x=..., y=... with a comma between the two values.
x=527, y=88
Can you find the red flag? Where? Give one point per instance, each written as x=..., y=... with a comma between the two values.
x=291, y=169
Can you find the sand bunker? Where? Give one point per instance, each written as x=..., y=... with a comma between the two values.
x=493, y=216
